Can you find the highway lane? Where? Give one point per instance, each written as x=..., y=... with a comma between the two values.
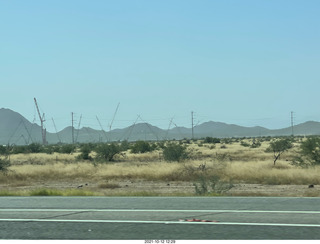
x=142, y=218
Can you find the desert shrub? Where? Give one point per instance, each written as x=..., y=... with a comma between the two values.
x=3, y=150
x=4, y=165
x=255, y=144
x=48, y=149
x=31, y=148
x=201, y=187
x=109, y=185
x=185, y=141
x=106, y=152
x=219, y=186
x=67, y=148
x=85, y=150
x=222, y=157
x=227, y=140
x=211, y=140
x=18, y=149
x=141, y=147
x=34, y=148
x=57, y=192
x=211, y=185
x=244, y=144
x=309, y=153
x=124, y=145
x=161, y=144
x=174, y=152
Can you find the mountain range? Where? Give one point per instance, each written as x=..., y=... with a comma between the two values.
x=15, y=129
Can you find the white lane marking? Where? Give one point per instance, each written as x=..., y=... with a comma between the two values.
x=156, y=222
x=160, y=210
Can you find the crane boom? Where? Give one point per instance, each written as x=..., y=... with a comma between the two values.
x=102, y=128
x=114, y=116
x=42, y=119
x=54, y=124
x=35, y=101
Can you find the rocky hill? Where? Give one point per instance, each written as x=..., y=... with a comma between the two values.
x=15, y=129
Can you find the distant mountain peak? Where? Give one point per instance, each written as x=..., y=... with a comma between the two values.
x=15, y=129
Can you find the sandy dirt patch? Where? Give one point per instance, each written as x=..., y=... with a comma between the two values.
x=123, y=187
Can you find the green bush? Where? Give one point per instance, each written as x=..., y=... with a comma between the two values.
x=201, y=187
x=85, y=152
x=211, y=185
x=256, y=144
x=19, y=149
x=141, y=147
x=4, y=165
x=31, y=148
x=106, y=152
x=34, y=148
x=309, y=153
x=67, y=148
x=124, y=145
x=244, y=144
x=174, y=152
x=3, y=150
x=211, y=140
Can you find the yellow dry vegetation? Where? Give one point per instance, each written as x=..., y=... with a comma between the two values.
x=231, y=161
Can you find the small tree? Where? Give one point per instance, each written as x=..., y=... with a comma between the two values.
x=211, y=140
x=106, y=152
x=310, y=149
x=3, y=150
x=4, y=165
x=174, y=152
x=141, y=147
x=34, y=148
x=85, y=152
x=278, y=147
x=67, y=148
x=124, y=145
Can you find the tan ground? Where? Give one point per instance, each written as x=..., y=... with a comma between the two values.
x=173, y=188
x=250, y=169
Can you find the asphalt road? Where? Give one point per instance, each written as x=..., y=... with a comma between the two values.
x=159, y=218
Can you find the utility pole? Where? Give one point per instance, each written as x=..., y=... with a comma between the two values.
x=292, y=123
x=42, y=120
x=72, y=128
x=192, y=124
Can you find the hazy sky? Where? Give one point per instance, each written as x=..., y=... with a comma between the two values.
x=242, y=62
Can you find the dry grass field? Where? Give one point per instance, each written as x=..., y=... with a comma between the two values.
x=217, y=169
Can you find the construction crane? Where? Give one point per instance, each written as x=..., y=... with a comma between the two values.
x=54, y=124
x=102, y=128
x=42, y=120
x=114, y=115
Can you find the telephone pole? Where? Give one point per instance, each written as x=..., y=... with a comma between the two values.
x=292, y=123
x=72, y=128
x=192, y=124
